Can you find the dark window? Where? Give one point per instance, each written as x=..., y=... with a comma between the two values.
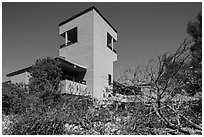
x=109, y=42
x=109, y=37
x=109, y=79
x=72, y=37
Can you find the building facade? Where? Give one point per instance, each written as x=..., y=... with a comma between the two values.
x=86, y=57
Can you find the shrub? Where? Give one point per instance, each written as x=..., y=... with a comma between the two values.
x=45, y=76
x=13, y=98
x=67, y=109
x=7, y=123
x=36, y=123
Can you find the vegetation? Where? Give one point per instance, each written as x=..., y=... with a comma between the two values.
x=173, y=84
x=167, y=98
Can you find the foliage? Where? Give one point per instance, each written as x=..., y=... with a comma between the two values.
x=171, y=85
x=13, y=98
x=194, y=29
x=40, y=96
x=44, y=83
x=45, y=76
x=36, y=123
x=8, y=122
x=167, y=99
x=51, y=121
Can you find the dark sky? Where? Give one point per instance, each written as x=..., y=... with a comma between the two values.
x=30, y=30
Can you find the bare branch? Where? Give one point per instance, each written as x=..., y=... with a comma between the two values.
x=188, y=120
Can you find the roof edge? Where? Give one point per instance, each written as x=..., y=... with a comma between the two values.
x=19, y=71
x=28, y=68
x=85, y=11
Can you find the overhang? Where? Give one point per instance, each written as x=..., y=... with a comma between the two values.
x=70, y=67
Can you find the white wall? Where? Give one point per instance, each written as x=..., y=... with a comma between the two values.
x=91, y=50
x=81, y=53
x=21, y=78
x=103, y=56
x=73, y=88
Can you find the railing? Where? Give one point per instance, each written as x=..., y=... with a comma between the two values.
x=73, y=87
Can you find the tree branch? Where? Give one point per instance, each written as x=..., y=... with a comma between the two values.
x=188, y=120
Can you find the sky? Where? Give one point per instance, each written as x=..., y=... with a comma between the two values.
x=30, y=30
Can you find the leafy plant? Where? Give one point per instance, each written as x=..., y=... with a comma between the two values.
x=13, y=98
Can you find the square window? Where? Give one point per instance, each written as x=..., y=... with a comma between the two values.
x=70, y=36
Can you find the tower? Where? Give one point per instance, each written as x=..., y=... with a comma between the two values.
x=89, y=42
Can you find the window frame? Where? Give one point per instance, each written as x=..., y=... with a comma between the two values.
x=74, y=38
x=107, y=42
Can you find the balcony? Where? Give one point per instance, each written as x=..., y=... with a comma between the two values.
x=73, y=79
x=73, y=87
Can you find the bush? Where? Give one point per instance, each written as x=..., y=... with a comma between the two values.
x=68, y=109
x=13, y=98
x=7, y=123
x=36, y=123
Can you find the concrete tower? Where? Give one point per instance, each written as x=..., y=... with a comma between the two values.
x=89, y=42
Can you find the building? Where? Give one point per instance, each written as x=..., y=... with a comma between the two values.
x=87, y=55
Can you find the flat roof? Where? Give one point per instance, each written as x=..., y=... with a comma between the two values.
x=65, y=65
x=85, y=11
x=19, y=71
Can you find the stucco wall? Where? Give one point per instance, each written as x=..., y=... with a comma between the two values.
x=81, y=53
x=91, y=50
x=21, y=78
x=103, y=56
x=73, y=87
